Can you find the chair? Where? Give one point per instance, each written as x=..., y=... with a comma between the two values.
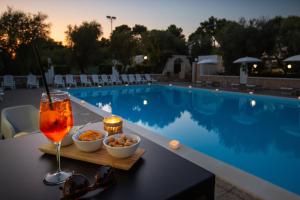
x=105, y=79
x=8, y=82
x=70, y=81
x=235, y=85
x=124, y=78
x=84, y=80
x=148, y=78
x=1, y=95
x=139, y=79
x=19, y=119
x=96, y=80
x=59, y=81
x=32, y=81
x=115, y=80
x=131, y=78
x=286, y=90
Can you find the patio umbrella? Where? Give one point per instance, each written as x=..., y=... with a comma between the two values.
x=208, y=61
x=295, y=58
x=247, y=60
x=243, y=69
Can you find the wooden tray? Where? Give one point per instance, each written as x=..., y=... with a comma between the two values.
x=100, y=157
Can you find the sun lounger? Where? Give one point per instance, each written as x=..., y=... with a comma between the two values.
x=1, y=96
x=8, y=82
x=252, y=87
x=115, y=80
x=32, y=81
x=105, y=79
x=286, y=90
x=201, y=83
x=131, y=79
x=96, y=80
x=235, y=85
x=148, y=78
x=59, y=81
x=139, y=79
x=70, y=80
x=84, y=80
x=124, y=78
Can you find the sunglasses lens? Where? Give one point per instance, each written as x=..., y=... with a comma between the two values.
x=75, y=186
x=104, y=176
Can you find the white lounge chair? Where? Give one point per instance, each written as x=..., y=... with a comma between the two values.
x=124, y=78
x=131, y=78
x=59, y=81
x=148, y=78
x=115, y=80
x=139, y=79
x=32, y=81
x=8, y=82
x=84, y=80
x=70, y=81
x=1, y=96
x=19, y=120
x=96, y=80
x=105, y=79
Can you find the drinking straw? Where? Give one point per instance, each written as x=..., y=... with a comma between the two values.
x=37, y=56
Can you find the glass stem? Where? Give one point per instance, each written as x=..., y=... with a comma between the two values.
x=58, y=144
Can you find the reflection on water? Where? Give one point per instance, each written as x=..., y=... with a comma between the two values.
x=257, y=134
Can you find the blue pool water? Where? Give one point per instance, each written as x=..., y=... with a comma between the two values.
x=258, y=134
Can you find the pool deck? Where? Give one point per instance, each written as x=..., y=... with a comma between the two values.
x=223, y=189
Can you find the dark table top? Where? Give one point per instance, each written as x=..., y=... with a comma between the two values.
x=159, y=174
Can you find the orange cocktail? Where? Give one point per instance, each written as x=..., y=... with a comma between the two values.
x=56, y=120
x=56, y=123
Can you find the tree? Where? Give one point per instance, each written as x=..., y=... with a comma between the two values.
x=176, y=31
x=18, y=28
x=123, y=44
x=160, y=45
x=139, y=29
x=83, y=41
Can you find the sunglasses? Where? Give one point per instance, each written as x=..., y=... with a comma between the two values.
x=78, y=185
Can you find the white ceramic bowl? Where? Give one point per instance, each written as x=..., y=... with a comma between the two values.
x=88, y=146
x=68, y=138
x=122, y=152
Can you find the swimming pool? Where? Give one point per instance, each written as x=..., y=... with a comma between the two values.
x=257, y=134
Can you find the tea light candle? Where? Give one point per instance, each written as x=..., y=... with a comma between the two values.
x=113, y=124
x=174, y=144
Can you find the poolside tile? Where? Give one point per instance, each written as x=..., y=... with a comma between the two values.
x=223, y=184
x=242, y=195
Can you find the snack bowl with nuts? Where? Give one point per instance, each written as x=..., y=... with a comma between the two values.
x=89, y=140
x=122, y=145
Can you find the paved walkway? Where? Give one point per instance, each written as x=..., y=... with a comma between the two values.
x=223, y=190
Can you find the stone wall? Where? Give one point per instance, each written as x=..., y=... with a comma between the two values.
x=264, y=82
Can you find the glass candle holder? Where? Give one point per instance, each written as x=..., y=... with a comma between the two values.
x=113, y=124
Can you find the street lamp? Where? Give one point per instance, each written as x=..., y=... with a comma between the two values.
x=111, y=18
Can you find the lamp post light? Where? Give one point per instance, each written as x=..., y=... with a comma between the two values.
x=111, y=18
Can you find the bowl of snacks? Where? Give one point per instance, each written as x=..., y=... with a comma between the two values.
x=89, y=140
x=121, y=145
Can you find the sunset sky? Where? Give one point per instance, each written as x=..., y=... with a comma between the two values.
x=156, y=14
